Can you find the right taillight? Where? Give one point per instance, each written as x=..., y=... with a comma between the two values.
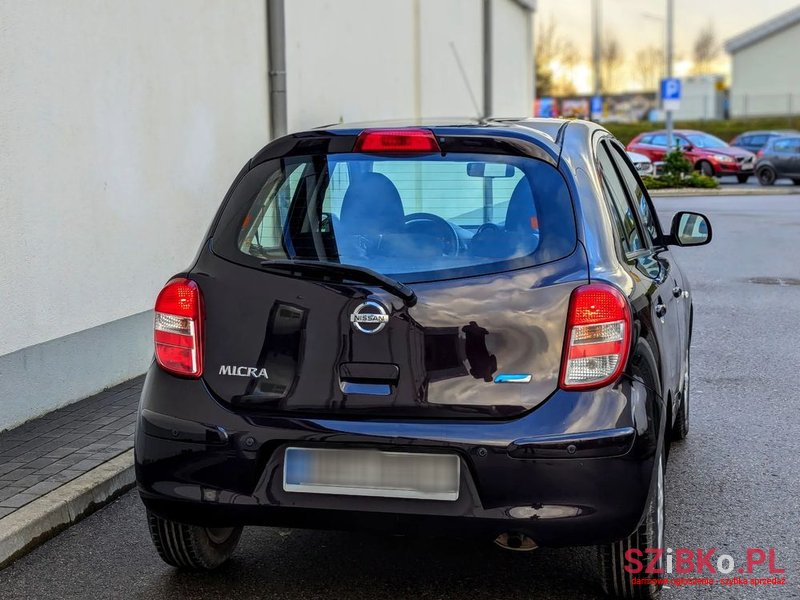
x=178, y=328
x=598, y=337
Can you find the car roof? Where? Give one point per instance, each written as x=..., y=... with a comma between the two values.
x=769, y=131
x=674, y=131
x=548, y=133
x=546, y=129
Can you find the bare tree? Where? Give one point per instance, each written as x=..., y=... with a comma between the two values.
x=648, y=66
x=551, y=47
x=546, y=49
x=705, y=49
x=610, y=60
x=569, y=58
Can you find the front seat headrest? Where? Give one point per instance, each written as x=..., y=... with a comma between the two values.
x=521, y=213
x=372, y=206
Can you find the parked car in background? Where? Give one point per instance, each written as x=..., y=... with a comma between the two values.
x=709, y=154
x=780, y=158
x=644, y=166
x=754, y=141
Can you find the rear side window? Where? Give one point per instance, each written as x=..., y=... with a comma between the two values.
x=636, y=193
x=787, y=145
x=659, y=140
x=623, y=214
x=418, y=218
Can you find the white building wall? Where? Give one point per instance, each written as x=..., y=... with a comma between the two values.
x=348, y=60
x=452, y=32
x=123, y=122
x=356, y=60
x=121, y=126
x=701, y=98
x=512, y=60
x=764, y=80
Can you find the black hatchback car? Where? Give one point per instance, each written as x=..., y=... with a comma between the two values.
x=466, y=329
x=756, y=140
x=780, y=158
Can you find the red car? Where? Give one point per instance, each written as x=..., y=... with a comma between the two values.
x=709, y=154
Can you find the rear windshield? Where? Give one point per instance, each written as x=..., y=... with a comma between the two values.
x=414, y=219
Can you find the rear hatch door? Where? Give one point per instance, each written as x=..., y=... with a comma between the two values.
x=447, y=295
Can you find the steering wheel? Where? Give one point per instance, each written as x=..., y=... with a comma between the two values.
x=430, y=224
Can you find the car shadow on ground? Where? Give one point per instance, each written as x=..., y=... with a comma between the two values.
x=308, y=564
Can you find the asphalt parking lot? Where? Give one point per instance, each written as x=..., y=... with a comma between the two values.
x=734, y=484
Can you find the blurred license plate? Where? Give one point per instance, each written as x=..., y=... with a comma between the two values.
x=371, y=473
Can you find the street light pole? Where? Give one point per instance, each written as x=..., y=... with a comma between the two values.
x=596, y=50
x=670, y=15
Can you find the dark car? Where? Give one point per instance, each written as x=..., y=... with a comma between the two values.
x=469, y=329
x=779, y=158
x=709, y=154
x=753, y=141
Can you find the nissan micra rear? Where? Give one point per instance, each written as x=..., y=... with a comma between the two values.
x=463, y=329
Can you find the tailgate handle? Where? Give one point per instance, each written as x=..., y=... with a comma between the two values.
x=359, y=372
x=368, y=379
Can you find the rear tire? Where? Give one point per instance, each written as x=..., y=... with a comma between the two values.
x=742, y=178
x=681, y=427
x=617, y=582
x=766, y=175
x=190, y=546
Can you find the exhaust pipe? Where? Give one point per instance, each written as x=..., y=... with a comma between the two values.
x=518, y=542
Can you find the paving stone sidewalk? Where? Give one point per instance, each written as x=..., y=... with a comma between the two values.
x=45, y=453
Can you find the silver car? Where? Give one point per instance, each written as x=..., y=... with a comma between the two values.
x=644, y=166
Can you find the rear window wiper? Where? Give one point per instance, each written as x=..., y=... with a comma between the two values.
x=321, y=269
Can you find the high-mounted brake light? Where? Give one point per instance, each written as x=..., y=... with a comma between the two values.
x=396, y=140
x=178, y=328
x=598, y=337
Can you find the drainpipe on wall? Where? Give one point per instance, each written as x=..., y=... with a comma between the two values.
x=487, y=58
x=276, y=63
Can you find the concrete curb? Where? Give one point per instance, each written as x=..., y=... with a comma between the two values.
x=34, y=523
x=728, y=191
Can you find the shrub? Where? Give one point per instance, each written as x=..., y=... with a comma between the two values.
x=657, y=183
x=675, y=163
x=696, y=179
x=670, y=180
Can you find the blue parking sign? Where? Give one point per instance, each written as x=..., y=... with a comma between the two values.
x=596, y=108
x=670, y=93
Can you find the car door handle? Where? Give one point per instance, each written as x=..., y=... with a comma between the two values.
x=661, y=310
x=677, y=291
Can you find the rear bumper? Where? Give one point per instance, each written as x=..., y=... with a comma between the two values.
x=576, y=470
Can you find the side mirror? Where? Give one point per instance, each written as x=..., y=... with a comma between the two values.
x=688, y=148
x=690, y=229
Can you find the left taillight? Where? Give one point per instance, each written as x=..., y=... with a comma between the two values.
x=178, y=328
x=598, y=337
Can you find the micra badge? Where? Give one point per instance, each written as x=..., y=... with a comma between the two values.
x=243, y=371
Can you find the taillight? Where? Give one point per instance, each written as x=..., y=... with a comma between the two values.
x=178, y=328
x=396, y=140
x=598, y=337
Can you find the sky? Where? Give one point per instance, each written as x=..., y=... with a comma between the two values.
x=638, y=23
